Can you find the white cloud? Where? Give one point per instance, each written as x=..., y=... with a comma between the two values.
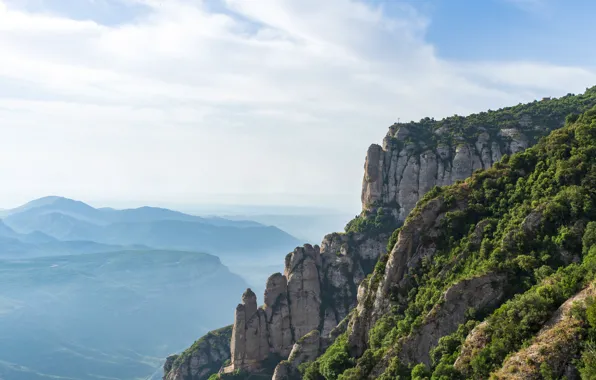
x=266, y=101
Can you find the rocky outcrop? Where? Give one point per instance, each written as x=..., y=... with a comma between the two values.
x=321, y=286
x=415, y=157
x=249, y=344
x=476, y=340
x=556, y=345
x=305, y=350
x=316, y=291
x=477, y=293
x=277, y=312
x=202, y=359
x=414, y=243
x=285, y=371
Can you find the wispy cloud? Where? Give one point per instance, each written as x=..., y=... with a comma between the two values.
x=271, y=97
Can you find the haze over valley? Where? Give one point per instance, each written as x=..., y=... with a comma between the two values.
x=99, y=292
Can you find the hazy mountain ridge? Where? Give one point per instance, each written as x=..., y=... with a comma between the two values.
x=16, y=245
x=68, y=220
x=82, y=289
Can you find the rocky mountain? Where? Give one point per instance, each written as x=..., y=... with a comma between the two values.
x=488, y=277
x=466, y=250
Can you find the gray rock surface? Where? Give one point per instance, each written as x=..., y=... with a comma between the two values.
x=316, y=292
x=399, y=173
x=203, y=358
x=306, y=349
x=408, y=252
x=249, y=345
x=477, y=293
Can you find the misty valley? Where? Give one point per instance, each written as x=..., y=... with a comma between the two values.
x=90, y=293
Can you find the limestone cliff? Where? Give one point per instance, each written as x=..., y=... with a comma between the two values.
x=416, y=156
x=316, y=291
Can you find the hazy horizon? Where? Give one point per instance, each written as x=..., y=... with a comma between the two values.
x=206, y=208
x=255, y=102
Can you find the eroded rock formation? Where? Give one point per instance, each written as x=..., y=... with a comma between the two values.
x=409, y=163
x=374, y=295
x=316, y=291
x=320, y=286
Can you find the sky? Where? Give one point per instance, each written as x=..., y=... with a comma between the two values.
x=262, y=102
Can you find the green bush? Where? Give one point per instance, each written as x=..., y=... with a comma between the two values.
x=420, y=372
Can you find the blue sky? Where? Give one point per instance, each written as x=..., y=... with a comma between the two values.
x=256, y=101
x=551, y=30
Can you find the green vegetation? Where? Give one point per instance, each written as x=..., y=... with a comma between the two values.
x=537, y=119
x=372, y=223
x=530, y=218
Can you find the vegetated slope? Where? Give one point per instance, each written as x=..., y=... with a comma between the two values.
x=478, y=270
x=109, y=315
x=413, y=158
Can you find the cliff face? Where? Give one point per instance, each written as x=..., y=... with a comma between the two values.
x=316, y=291
x=398, y=173
x=415, y=157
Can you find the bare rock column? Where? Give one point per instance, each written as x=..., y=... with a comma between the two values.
x=249, y=344
x=304, y=289
x=277, y=313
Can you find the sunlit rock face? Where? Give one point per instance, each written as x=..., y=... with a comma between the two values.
x=409, y=163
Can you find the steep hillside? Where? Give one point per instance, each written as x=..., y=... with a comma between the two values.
x=320, y=288
x=474, y=278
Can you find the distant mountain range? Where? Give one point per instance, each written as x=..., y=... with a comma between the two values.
x=89, y=293
x=53, y=225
